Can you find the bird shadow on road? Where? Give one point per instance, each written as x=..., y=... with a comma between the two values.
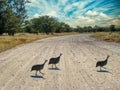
x=104, y=71
x=37, y=77
x=54, y=68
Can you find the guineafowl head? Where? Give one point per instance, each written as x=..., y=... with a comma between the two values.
x=60, y=54
x=108, y=56
x=46, y=60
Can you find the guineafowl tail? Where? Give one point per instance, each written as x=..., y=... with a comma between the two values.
x=31, y=70
x=97, y=64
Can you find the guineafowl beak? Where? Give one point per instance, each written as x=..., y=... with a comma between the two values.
x=96, y=64
x=108, y=56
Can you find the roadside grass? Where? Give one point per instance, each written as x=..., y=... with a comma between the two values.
x=107, y=36
x=7, y=42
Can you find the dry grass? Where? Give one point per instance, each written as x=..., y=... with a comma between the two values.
x=107, y=36
x=7, y=42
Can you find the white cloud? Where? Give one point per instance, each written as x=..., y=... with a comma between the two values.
x=76, y=4
x=36, y=15
x=104, y=16
x=115, y=22
x=98, y=16
x=67, y=8
x=86, y=19
x=33, y=3
x=52, y=13
x=92, y=13
x=82, y=15
x=82, y=4
x=91, y=19
x=62, y=2
x=79, y=5
x=81, y=21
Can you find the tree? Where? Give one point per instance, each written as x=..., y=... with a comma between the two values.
x=43, y=24
x=18, y=8
x=12, y=22
x=12, y=25
x=89, y=29
x=47, y=24
x=2, y=16
x=112, y=28
x=12, y=15
x=79, y=29
x=67, y=28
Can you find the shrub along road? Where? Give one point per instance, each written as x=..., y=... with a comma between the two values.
x=76, y=69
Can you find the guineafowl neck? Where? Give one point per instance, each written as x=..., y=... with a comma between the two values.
x=107, y=58
x=44, y=63
x=60, y=56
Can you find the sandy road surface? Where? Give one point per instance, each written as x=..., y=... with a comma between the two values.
x=76, y=71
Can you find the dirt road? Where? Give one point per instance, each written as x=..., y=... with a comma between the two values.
x=76, y=70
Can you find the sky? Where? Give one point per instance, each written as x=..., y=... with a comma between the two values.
x=77, y=12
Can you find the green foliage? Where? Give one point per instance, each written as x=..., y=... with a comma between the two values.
x=18, y=8
x=12, y=15
x=2, y=16
x=46, y=24
x=96, y=29
x=112, y=28
x=79, y=29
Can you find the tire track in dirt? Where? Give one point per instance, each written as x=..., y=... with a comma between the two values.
x=45, y=50
x=16, y=68
x=77, y=69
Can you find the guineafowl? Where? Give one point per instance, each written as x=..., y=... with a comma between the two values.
x=54, y=60
x=102, y=63
x=38, y=67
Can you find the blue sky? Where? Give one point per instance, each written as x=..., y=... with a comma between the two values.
x=78, y=12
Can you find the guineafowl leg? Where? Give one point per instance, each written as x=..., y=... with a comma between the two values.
x=36, y=73
x=100, y=68
x=55, y=66
x=52, y=65
x=41, y=72
x=104, y=67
